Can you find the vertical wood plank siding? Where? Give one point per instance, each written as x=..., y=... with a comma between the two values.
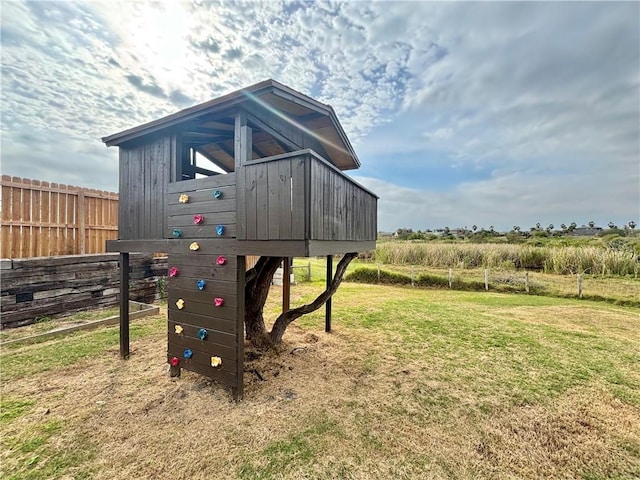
x=144, y=176
x=300, y=197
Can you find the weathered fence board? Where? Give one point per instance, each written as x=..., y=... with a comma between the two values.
x=40, y=219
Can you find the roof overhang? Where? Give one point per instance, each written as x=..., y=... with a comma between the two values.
x=301, y=111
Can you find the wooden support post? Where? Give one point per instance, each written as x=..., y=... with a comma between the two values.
x=526, y=281
x=124, y=305
x=238, y=390
x=486, y=279
x=412, y=284
x=450, y=277
x=286, y=285
x=327, y=315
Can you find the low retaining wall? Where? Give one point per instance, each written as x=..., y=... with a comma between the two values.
x=47, y=286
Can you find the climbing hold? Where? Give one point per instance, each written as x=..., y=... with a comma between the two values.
x=180, y=304
x=220, y=230
x=216, y=361
x=173, y=272
x=188, y=353
x=194, y=246
x=179, y=329
x=218, y=302
x=177, y=233
x=217, y=194
x=175, y=361
x=221, y=260
x=202, y=333
x=184, y=198
x=201, y=284
x=198, y=219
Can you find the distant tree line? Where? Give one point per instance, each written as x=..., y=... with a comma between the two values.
x=536, y=230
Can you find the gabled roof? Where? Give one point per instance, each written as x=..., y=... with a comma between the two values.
x=299, y=110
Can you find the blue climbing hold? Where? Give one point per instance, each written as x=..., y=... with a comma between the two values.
x=177, y=233
x=188, y=353
x=220, y=230
x=201, y=284
x=202, y=334
x=217, y=194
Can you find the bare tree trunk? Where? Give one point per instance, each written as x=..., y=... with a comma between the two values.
x=286, y=318
x=257, y=284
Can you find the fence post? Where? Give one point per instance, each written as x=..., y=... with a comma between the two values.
x=451, y=278
x=412, y=284
x=378, y=273
x=579, y=285
x=526, y=281
x=486, y=279
x=309, y=271
x=81, y=222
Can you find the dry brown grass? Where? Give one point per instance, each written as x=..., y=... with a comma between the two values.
x=344, y=405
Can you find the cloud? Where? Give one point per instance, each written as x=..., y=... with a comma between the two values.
x=150, y=88
x=542, y=98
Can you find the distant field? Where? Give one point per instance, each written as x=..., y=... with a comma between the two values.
x=613, y=258
x=412, y=383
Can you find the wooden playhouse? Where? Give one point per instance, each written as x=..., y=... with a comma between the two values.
x=257, y=172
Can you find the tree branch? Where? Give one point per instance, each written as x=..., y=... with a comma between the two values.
x=283, y=321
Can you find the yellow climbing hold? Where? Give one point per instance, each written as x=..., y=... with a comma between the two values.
x=179, y=329
x=194, y=246
x=216, y=361
x=180, y=304
x=184, y=198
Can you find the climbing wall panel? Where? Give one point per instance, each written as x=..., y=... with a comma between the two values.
x=206, y=316
x=206, y=288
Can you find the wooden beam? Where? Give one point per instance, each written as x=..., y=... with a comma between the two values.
x=277, y=136
x=204, y=171
x=124, y=305
x=240, y=292
x=226, y=150
x=258, y=152
x=208, y=131
x=286, y=285
x=327, y=311
x=242, y=154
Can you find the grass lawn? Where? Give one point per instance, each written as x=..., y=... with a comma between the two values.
x=412, y=383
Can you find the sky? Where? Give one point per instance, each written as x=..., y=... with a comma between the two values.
x=485, y=113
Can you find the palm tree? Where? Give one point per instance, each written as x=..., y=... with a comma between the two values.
x=550, y=227
x=538, y=226
x=563, y=227
x=572, y=226
x=474, y=227
x=632, y=224
x=591, y=224
x=612, y=225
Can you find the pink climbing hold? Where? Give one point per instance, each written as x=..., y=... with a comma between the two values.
x=218, y=302
x=221, y=260
x=198, y=219
x=173, y=272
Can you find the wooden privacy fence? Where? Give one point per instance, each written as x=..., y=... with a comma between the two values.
x=41, y=219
